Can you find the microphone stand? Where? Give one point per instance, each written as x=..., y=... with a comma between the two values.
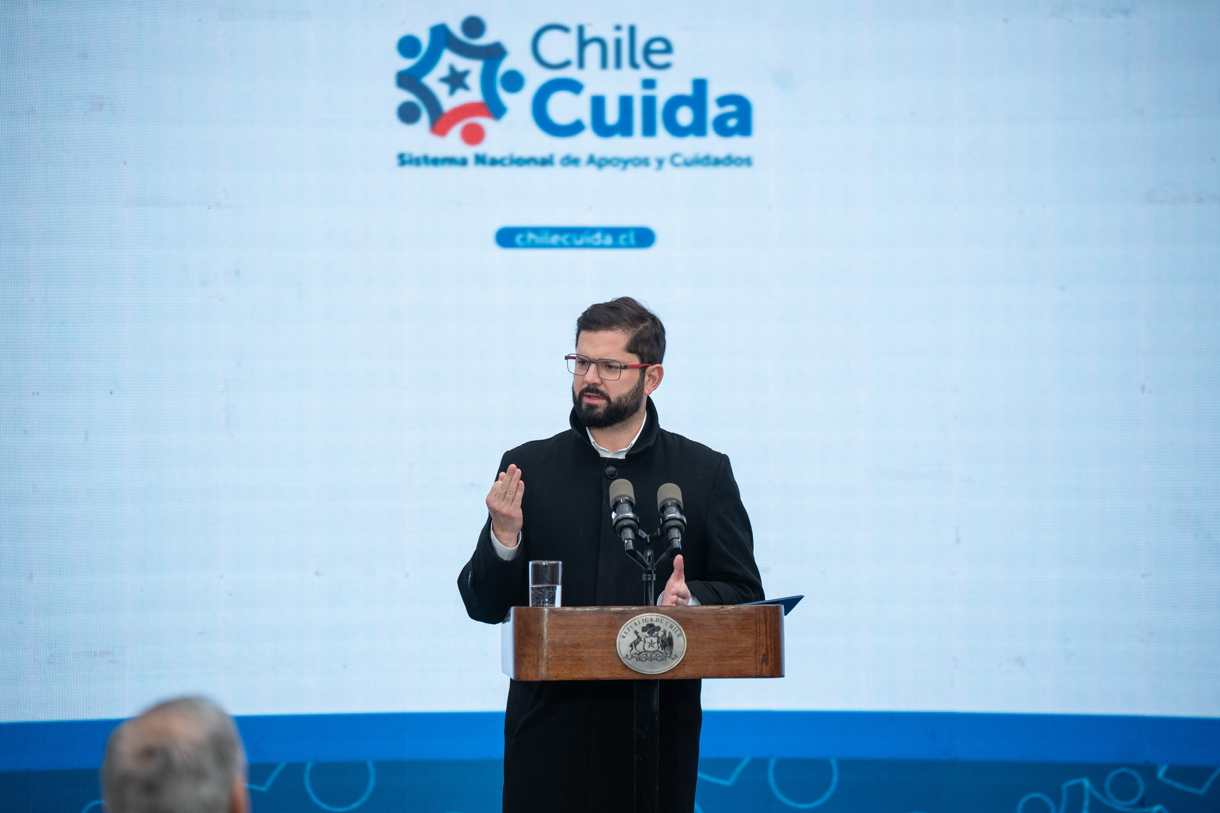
x=646, y=694
x=650, y=562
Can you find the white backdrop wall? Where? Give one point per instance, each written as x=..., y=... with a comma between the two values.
x=957, y=325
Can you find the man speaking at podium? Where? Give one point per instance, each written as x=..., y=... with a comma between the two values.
x=568, y=744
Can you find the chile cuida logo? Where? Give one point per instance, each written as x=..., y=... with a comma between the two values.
x=456, y=97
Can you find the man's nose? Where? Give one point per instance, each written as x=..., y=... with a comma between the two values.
x=592, y=376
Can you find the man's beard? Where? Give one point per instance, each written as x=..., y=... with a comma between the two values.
x=613, y=412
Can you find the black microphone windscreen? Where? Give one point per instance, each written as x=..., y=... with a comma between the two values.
x=669, y=491
x=621, y=488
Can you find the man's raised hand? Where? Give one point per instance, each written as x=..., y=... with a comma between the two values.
x=676, y=594
x=504, y=504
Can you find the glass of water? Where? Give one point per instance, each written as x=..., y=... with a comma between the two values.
x=546, y=584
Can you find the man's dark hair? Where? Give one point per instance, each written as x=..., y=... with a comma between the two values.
x=647, y=334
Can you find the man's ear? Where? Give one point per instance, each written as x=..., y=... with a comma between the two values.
x=652, y=378
x=239, y=801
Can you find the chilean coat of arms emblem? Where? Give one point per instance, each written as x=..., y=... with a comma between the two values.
x=651, y=644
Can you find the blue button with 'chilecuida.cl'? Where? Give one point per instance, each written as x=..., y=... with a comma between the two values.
x=575, y=237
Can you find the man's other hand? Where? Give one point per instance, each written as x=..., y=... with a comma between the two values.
x=504, y=504
x=676, y=593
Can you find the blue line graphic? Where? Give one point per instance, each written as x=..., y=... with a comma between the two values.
x=266, y=786
x=1139, y=786
x=834, y=783
x=368, y=791
x=1160, y=774
x=1041, y=797
x=741, y=766
x=779, y=795
x=1076, y=796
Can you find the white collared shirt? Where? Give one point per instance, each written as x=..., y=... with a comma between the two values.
x=621, y=454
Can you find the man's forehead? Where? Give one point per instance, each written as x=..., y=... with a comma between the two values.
x=604, y=344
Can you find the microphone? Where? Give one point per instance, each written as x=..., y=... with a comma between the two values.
x=669, y=505
x=622, y=512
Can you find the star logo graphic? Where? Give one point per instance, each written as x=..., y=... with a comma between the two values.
x=456, y=80
x=490, y=82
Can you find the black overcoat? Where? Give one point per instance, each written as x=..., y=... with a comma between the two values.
x=568, y=744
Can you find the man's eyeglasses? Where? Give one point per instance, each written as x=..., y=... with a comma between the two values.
x=608, y=370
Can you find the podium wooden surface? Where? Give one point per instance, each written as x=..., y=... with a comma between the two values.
x=578, y=643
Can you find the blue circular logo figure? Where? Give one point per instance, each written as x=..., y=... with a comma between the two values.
x=409, y=112
x=410, y=47
x=473, y=27
x=469, y=100
x=512, y=81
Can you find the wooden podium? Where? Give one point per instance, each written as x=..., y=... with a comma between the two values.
x=583, y=643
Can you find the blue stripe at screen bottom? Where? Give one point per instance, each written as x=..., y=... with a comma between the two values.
x=63, y=745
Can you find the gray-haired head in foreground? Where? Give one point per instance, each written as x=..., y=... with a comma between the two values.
x=180, y=756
